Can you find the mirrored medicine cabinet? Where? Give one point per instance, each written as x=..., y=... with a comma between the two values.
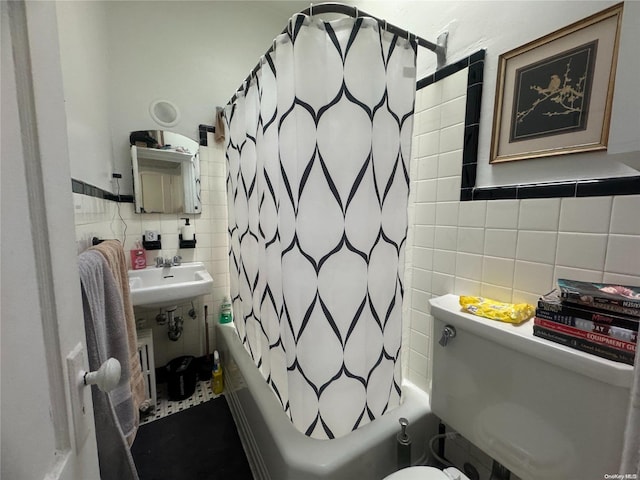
x=166, y=172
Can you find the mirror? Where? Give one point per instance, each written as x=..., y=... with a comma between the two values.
x=166, y=172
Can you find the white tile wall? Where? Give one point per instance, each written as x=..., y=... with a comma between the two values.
x=510, y=250
x=101, y=218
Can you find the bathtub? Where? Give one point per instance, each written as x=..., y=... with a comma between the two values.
x=277, y=451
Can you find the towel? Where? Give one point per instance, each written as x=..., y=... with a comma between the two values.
x=106, y=333
x=218, y=134
x=113, y=253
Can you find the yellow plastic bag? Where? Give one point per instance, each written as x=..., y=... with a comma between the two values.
x=504, y=312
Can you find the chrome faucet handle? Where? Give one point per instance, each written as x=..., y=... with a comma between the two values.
x=177, y=260
x=159, y=262
x=448, y=332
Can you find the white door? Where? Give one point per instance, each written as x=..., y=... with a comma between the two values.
x=41, y=303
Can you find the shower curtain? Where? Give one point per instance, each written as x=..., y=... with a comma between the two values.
x=318, y=147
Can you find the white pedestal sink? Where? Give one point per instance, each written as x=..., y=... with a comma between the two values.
x=167, y=286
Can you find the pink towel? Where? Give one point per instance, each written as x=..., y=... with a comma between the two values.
x=113, y=253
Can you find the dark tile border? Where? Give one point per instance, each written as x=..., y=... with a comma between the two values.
x=202, y=133
x=468, y=190
x=78, y=186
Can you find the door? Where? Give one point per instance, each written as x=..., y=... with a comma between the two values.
x=41, y=305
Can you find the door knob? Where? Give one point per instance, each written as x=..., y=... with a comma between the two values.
x=107, y=376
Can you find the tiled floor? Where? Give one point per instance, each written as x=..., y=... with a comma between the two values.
x=166, y=407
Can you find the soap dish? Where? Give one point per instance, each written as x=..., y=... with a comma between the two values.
x=187, y=243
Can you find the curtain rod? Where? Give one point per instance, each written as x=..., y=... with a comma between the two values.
x=440, y=48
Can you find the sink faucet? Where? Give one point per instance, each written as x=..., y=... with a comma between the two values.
x=168, y=262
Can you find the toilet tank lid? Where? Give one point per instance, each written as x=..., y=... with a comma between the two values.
x=520, y=338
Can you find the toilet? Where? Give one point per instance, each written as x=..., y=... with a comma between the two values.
x=540, y=409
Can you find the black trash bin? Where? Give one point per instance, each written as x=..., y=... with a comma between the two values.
x=181, y=377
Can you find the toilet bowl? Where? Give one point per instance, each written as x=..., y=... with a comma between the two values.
x=427, y=473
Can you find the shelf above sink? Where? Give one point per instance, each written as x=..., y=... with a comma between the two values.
x=167, y=286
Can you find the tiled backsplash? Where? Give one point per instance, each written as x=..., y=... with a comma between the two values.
x=511, y=250
x=103, y=218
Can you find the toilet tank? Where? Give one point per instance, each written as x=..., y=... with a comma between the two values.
x=542, y=410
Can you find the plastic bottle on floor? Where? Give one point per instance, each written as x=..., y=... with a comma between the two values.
x=217, y=382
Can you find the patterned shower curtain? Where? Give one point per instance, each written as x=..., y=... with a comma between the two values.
x=318, y=149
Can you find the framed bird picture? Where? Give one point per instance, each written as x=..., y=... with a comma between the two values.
x=554, y=94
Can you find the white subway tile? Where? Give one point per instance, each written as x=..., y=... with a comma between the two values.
x=421, y=279
x=447, y=213
x=580, y=274
x=537, y=246
x=448, y=189
x=469, y=266
x=585, y=214
x=472, y=214
x=419, y=343
x=423, y=236
x=425, y=213
x=454, y=85
x=500, y=243
x=420, y=301
x=539, y=214
x=534, y=278
x=631, y=280
x=525, y=297
x=444, y=261
x=429, y=120
x=417, y=361
x=441, y=284
x=623, y=254
x=502, y=214
x=445, y=238
x=420, y=322
x=451, y=138
x=423, y=258
x=464, y=286
x=427, y=167
x=429, y=96
x=429, y=144
x=497, y=292
x=450, y=163
x=452, y=112
x=426, y=190
x=581, y=250
x=625, y=217
x=470, y=240
x=498, y=271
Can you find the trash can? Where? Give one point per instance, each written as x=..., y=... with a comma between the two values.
x=181, y=377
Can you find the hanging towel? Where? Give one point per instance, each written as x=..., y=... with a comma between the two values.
x=106, y=333
x=218, y=134
x=113, y=253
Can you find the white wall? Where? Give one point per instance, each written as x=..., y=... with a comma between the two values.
x=195, y=54
x=82, y=30
x=499, y=26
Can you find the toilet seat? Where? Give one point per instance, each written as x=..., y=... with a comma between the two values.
x=427, y=473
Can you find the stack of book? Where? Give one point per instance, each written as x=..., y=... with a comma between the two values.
x=597, y=318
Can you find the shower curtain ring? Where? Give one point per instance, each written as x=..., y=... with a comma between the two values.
x=311, y=9
x=385, y=26
x=356, y=12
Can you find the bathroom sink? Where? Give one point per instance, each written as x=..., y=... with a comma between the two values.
x=166, y=286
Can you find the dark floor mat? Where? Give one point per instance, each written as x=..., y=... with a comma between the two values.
x=200, y=443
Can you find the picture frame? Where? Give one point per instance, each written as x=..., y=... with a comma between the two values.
x=554, y=94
